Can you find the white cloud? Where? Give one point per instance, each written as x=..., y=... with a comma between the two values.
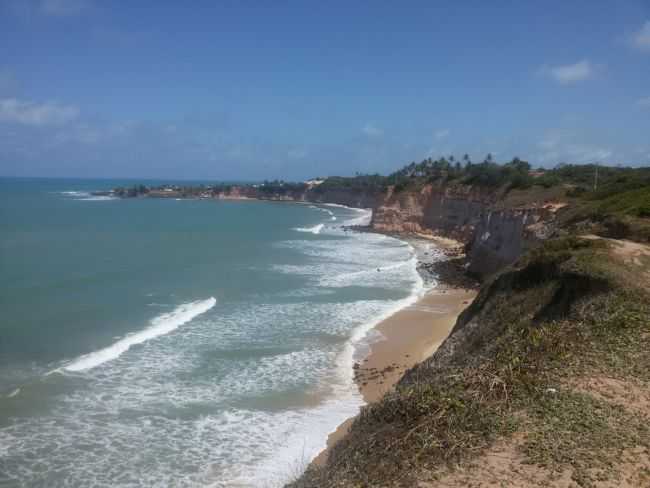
x=570, y=73
x=63, y=8
x=643, y=102
x=36, y=114
x=441, y=134
x=641, y=38
x=372, y=131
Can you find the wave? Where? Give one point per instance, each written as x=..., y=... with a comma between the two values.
x=160, y=325
x=97, y=198
x=313, y=230
x=87, y=196
x=363, y=219
x=338, y=205
x=13, y=393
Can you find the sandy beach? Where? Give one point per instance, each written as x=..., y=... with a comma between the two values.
x=409, y=336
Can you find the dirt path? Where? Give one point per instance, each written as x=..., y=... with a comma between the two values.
x=629, y=252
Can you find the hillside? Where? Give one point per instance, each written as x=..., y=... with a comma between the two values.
x=544, y=380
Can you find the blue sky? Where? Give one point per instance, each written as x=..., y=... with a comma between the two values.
x=253, y=90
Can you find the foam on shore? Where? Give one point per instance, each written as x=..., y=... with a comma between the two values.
x=346, y=400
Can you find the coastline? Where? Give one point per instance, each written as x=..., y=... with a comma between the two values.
x=409, y=336
x=412, y=333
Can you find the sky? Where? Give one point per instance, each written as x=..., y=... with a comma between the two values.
x=243, y=90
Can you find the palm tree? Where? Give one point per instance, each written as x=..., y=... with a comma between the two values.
x=466, y=160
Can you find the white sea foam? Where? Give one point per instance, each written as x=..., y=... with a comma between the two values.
x=348, y=398
x=338, y=205
x=160, y=325
x=87, y=196
x=327, y=211
x=363, y=219
x=305, y=445
x=98, y=198
x=312, y=230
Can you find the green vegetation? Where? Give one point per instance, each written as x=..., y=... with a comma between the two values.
x=521, y=351
x=609, y=201
x=625, y=190
x=134, y=191
x=488, y=173
x=360, y=183
x=281, y=188
x=613, y=202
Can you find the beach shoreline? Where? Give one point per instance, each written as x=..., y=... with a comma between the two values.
x=409, y=336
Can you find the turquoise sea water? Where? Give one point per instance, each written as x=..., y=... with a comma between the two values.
x=172, y=342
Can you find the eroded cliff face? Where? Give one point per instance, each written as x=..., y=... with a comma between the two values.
x=450, y=211
x=495, y=236
x=500, y=237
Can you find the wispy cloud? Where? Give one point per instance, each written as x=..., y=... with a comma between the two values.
x=36, y=114
x=63, y=8
x=372, y=131
x=441, y=134
x=570, y=73
x=641, y=38
x=643, y=102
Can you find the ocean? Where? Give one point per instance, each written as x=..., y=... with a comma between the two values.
x=163, y=342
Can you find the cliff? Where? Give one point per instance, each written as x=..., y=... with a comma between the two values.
x=495, y=231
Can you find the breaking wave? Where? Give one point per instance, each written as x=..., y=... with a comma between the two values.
x=312, y=230
x=163, y=324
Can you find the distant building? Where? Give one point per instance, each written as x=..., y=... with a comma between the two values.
x=314, y=182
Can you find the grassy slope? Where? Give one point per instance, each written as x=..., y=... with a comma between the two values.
x=566, y=311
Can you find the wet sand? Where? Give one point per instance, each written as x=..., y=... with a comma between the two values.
x=409, y=336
